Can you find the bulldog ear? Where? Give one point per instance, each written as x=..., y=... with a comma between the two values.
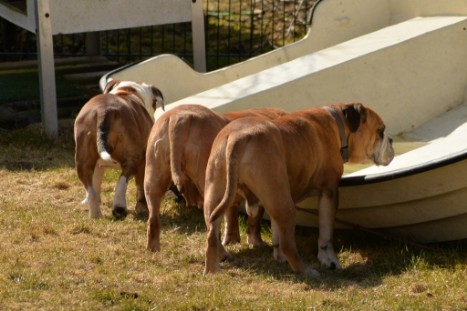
x=354, y=114
x=110, y=85
x=159, y=97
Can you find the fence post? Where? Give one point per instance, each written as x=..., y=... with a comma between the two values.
x=197, y=29
x=48, y=93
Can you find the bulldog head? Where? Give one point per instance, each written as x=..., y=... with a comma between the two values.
x=368, y=140
x=147, y=94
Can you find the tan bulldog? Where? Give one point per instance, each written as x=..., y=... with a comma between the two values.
x=111, y=130
x=178, y=149
x=283, y=161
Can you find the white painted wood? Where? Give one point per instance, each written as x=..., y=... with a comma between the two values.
x=71, y=16
x=333, y=22
x=75, y=16
x=26, y=20
x=48, y=93
x=198, y=33
x=390, y=70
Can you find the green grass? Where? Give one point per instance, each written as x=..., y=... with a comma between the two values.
x=53, y=257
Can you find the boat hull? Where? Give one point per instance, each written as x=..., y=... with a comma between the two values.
x=429, y=206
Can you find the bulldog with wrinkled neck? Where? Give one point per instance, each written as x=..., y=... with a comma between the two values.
x=280, y=162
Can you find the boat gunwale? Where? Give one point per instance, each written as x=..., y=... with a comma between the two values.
x=349, y=181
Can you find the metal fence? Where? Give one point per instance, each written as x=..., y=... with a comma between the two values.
x=235, y=30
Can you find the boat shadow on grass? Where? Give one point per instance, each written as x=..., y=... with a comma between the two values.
x=367, y=258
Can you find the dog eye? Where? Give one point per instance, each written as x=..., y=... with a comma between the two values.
x=381, y=132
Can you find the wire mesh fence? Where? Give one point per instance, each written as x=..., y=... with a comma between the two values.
x=235, y=30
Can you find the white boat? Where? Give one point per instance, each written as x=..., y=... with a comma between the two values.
x=407, y=59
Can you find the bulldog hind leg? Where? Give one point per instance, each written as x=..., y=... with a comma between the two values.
x=119, y=209
x=130, y=168
x=255, y=212
x=232, y=228
x=277, y=252
x=232, y=233
x=92, y=198
x=215, y=251
x=281, y=209
x=141, y=208
x=157, y=181
x=285, y=225
x=327, y=211
x=97, y=177
x=86, y=173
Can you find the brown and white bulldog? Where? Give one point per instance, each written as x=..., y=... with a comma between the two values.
x=280, y=162
x=111, y=130
x=178, y=150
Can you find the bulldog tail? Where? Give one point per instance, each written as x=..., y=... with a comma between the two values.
x=233, y=152
x=178, y=134
x=103, y=128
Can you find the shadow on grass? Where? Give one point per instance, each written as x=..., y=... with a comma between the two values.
x=367, y=259
x=31, y=149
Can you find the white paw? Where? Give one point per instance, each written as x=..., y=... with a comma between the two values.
x=311, y=272
x=328, y=259
x=278, y=255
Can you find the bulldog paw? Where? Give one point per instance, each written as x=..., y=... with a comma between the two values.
x=328, y=259
x=119, y=212
x=94, y=210
x=311, y=272
x=232, y=238
x=212, y=264
x=225, y=256
x=153, y=247
x=255, y=241
x=278, y=255
x=143, y=216
x=331, y=265
x=95, y=214
x=141, y=211
x=211, y=270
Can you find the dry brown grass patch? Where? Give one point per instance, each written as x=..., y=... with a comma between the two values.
x=52, y=256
